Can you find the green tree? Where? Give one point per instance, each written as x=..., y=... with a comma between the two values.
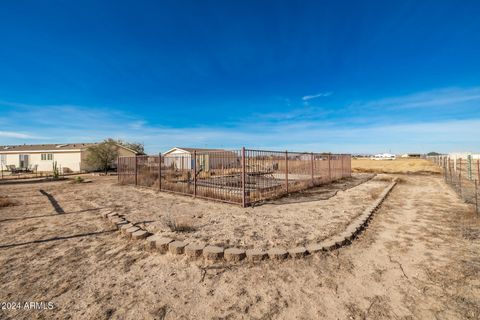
x=135, y=146
x=102, y=156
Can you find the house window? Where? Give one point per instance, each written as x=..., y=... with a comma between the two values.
x=47, y=156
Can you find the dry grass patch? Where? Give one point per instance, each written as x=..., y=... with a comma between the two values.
x=179, y=224
x=374, y=193
x=395, y=166
x=6, y=202
x=384, y=178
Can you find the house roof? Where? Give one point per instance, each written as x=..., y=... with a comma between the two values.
x=50, y=147
x=46, y=147
x=200, y=149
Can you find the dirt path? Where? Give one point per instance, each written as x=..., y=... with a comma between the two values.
x=417, y=260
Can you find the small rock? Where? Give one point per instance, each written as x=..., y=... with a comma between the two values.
x=125, y=227
x=194, y=250
x=277, y=254
x=112, y=214
x=315, y=248
x=176, y=247
x=213, y=253
x=114, y=222
x=298, y=252
x=234, y=254
x=140, y=234
x=162, y=244
x=131, y=230
x=340, y=241
x=256, y=255
x=150, y=243
x=118, y=225
x=329, y=245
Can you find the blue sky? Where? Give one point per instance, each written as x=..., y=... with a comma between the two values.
x=343, y=76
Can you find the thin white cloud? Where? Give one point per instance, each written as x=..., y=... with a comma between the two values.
x=16, y=135
x=138, y=124
x=65, y=114
x=318, y=95
x=451, y=97
x=295, y=114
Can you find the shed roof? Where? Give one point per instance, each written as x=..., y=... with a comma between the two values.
x=190, y=150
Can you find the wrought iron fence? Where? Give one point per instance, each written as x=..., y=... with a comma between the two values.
x=236, y=176
x=463, y=174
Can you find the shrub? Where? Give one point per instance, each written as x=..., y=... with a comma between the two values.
x=56, y=172
x=78, y=179
x=6, y=202
x=179, y=225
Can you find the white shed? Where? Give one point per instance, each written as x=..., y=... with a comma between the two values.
x=207, y=159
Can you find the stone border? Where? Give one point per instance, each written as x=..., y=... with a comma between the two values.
x=232, y=254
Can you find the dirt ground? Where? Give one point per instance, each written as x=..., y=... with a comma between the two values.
x=418, y=259
x=300, y=219
x=399, y=165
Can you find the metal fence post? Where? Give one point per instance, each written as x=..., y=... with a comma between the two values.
x=286, y=171
x=136, y=171
x=194, y=173
x=118, y=170
x=244, y=195
x=478, y=169
x=469, y=170
x=329, y=168
x=460, y=177
x=445, y=168
x=349, y=158
x=342, y=164
x=450, y=170
x=160, y=171
x=312, y=167
x=476, y=196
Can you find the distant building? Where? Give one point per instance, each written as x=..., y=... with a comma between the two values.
x=384, y=156
x=70, y=157
x=463, y=155
x=411, y=155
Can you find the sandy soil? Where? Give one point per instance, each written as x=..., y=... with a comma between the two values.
x=399, y=165
x=417, y=260
x=296, y=220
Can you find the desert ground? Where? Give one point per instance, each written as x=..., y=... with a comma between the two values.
x=272, y=224
x=399, y=165
x=417, y=259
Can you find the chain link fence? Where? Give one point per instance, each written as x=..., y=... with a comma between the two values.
x=463, y=174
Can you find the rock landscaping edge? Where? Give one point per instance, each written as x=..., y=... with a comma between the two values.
x=214, y=253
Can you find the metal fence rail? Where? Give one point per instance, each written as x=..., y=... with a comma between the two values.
x=236, y=176
x=463, y=174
